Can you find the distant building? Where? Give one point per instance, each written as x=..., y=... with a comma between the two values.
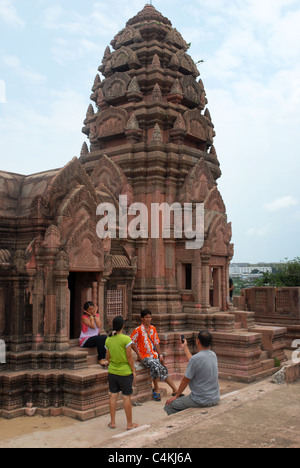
x=239, y=269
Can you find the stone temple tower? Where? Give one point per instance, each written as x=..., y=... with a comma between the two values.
x=151, y=141
x=150, y=124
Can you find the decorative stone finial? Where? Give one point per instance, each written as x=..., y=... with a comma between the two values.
x=149, y=13
x=156, y=94
x=157, y=135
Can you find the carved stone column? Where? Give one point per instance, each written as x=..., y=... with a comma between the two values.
x=62, y=301
x=197, y=281
x=205, y=283
x=225, y=287
x=47, y=255
x=17, y=320
x=101, y=300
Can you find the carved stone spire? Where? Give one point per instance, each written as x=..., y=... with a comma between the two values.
x=149, y=13
x=148, y=76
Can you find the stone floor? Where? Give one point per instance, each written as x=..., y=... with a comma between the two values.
x=250, y=415
x=257, y=415
x=60, y=431
x=263, y=415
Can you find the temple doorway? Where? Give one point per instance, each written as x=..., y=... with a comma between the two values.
x=81, y=290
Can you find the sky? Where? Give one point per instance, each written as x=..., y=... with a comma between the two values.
x=49, y=56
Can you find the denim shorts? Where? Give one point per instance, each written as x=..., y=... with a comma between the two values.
x=120, y=383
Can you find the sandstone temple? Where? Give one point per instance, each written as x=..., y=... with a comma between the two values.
x=150, y=137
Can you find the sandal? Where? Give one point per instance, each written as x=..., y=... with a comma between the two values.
x=156, y=396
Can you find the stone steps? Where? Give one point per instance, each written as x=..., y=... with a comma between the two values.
x=80, y=394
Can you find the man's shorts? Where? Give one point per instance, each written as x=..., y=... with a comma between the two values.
x=157, y=370
x=120, y=383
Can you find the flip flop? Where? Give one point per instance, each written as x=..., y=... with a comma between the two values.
x=111, y=427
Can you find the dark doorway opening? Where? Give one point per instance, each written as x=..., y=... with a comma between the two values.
x=188, y=276
x=81, y=291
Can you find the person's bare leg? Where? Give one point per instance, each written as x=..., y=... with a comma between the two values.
x=113, y=409
x=171, y=383
x=128, y=412
x=156, y=387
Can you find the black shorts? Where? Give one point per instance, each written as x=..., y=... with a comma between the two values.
x=120, y=383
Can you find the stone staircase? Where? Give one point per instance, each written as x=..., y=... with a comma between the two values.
x=246, y=352
x=91, y=354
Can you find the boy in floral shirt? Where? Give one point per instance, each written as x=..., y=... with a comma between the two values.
x=146, y=344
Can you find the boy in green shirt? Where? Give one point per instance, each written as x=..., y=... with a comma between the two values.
x=121, y=371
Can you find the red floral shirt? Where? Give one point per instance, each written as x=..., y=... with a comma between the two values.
x=145, y=342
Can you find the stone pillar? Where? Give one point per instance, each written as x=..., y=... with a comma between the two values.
x=197, y=281
x=38, y=310
x=47, y=254
x=101, y=301
x=205, y=283
x=62, y=301
x=95, y=293
x=18, y=341
x=225, y=287
x=17, y=319
x=46, y=291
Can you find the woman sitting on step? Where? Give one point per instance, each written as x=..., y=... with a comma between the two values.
x=90, y=332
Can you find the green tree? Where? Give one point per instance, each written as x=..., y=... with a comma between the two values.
x=287, y=275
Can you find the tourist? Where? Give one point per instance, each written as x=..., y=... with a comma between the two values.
x=121, y=371
x=201, y=376
x=146, y=344
x=90, y=332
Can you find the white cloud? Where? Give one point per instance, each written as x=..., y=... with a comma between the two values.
x=13, y=62
x=281, y=203
x=66, y=21
x=258, y=231
x=63, y=51
x=9, y=14
x=34, y=141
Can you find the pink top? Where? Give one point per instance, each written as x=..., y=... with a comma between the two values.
x=87, y=332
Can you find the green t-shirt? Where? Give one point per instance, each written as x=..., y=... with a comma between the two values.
x=117, y=345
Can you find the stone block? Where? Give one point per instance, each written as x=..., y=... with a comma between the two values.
x=246, y=319
x=292, y=372
x=238, y=355
x=273, y=340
